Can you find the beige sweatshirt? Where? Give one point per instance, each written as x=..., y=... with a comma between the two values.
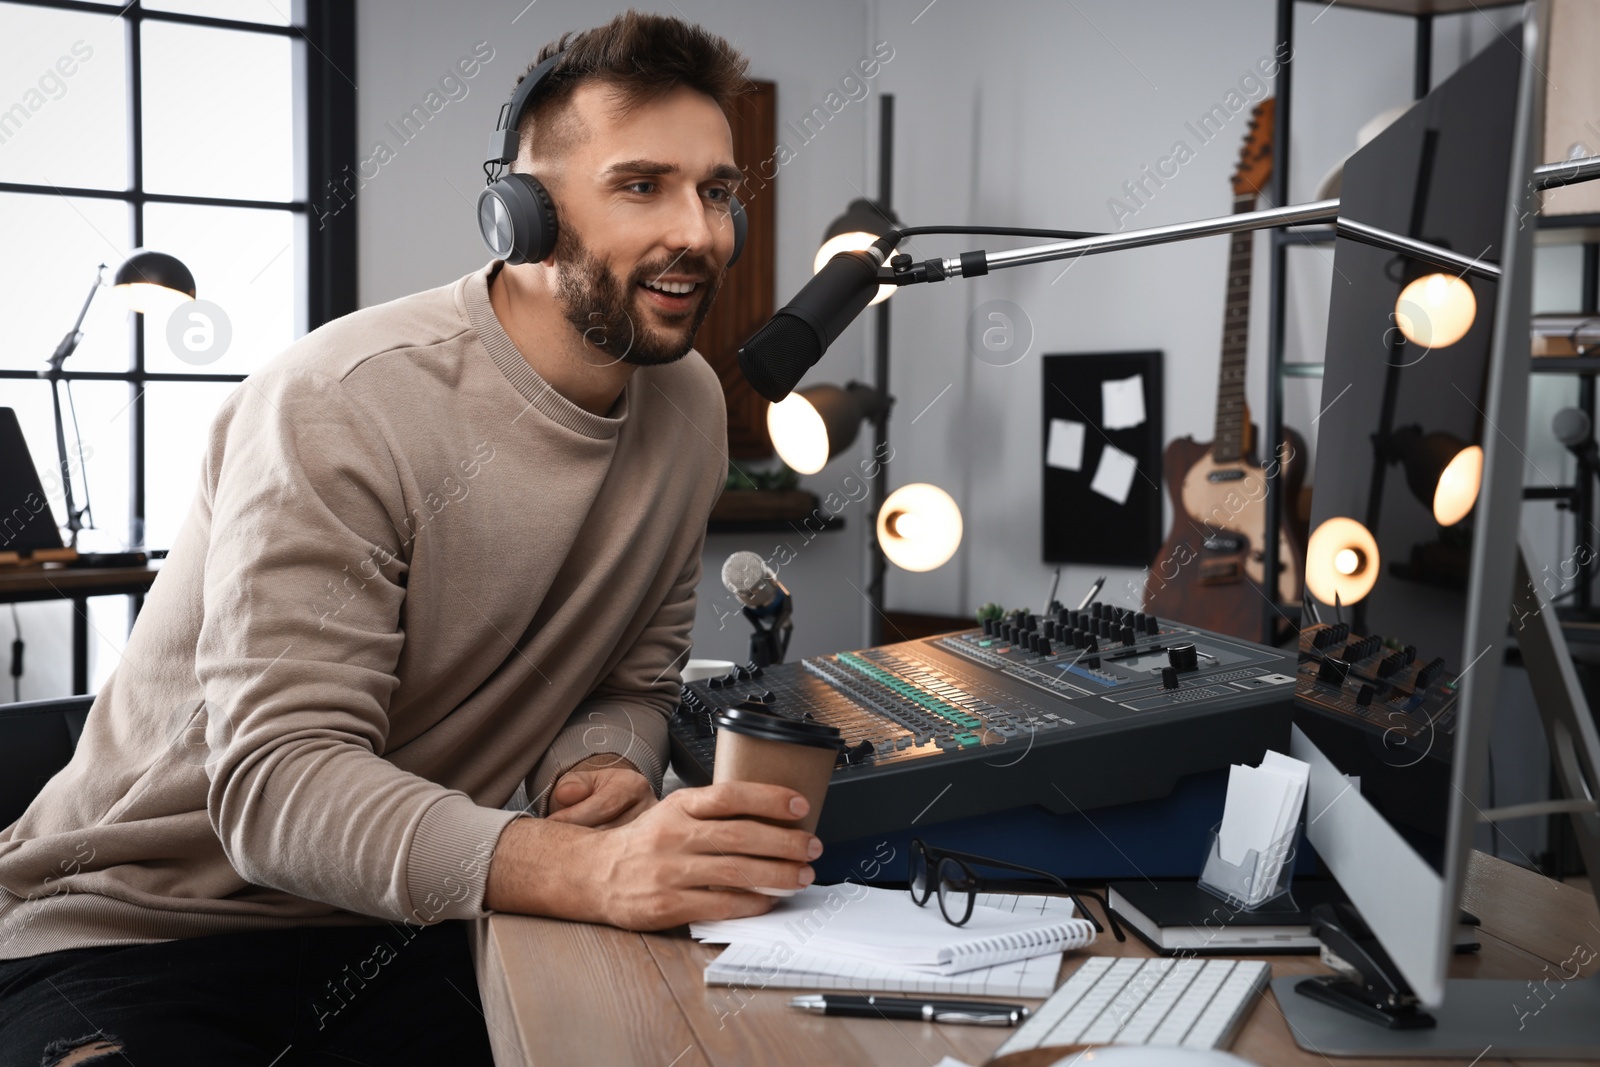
x=413, y=577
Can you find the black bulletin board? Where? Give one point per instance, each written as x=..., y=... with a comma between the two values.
x=1080, y=524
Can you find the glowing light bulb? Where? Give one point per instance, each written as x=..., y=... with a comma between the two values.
x=1341, y=561
x=857, y=241
x=1435, y=310
x=919, y=527
x=151, y=299
x=798, y=434
x=1458, y=486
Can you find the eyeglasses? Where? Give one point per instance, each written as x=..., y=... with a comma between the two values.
x=958, y=885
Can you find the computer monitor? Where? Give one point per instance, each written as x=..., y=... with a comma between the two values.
x=1417, y=501
x=26, y=522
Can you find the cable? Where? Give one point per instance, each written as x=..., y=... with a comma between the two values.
x=83, y=472
x=992, y=231
x=894, y=237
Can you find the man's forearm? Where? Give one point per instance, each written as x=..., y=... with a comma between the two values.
x=538, y=869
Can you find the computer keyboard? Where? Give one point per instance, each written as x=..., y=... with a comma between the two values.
x=1187, y=1002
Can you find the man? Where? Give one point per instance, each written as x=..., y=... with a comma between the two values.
x=441, y=549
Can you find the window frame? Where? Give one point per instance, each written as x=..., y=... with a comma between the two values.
x=323, y=33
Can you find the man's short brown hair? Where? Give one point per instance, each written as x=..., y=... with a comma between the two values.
x=643, y=57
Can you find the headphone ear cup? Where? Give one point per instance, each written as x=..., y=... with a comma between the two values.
x=517, y=219
x=740, y=225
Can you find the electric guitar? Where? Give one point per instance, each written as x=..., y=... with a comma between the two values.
x=1210, y=570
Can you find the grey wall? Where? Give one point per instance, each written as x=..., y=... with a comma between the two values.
x=417, y=228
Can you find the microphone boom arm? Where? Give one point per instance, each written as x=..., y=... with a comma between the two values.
x=904, y=271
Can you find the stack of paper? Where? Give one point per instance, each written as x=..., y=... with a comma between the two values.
x=853, y=936
x=1262, y=816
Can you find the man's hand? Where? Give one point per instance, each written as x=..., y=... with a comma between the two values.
x=657, y=871
x=603, y=791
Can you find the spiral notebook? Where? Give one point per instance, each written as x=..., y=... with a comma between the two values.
x=884, y=926
x=752, y=966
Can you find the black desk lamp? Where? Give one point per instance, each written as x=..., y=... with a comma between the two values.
x=146, y=280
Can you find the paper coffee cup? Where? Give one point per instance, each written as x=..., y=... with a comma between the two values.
x=758, y=746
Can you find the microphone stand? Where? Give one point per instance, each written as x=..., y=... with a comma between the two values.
x=770, y=643
x=55, y=376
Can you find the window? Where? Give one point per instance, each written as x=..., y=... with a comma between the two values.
x=199, y=128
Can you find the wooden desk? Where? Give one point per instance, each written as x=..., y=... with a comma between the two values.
x=561, y=993
x=77, y=584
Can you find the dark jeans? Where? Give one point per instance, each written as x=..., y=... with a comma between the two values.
x=378, y=995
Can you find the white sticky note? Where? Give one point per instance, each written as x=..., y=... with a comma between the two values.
x=1065, y=447
x=1114, y=477
x=1122, y=402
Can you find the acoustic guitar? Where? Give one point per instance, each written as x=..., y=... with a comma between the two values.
x=1209, y=572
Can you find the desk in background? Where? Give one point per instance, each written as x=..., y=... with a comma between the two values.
x=77, y=584
x=561, y=993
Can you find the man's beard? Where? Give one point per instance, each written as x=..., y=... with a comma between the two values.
x=597, y=304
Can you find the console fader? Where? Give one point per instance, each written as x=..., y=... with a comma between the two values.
x=1070, y=710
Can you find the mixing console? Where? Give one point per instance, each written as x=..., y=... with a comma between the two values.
x=1377, y=682
x=1383, y=713
x=1070, y=710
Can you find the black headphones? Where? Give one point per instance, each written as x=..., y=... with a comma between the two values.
x=516, y=216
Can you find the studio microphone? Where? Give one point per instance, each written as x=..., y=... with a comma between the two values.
x=1573, y=429
x=747, y=577
x=765, y=600
x=779, y=354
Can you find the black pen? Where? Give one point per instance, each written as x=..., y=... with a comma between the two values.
x=974, y=1012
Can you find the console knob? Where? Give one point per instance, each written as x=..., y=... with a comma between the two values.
x=1364, y=695
x=859, y=754
x=1183, y=657
x=1128, y=636
x=1152, y=625
x=1044, y=646
x=1169, y=677
x=1333, y=671
x=1092, y=662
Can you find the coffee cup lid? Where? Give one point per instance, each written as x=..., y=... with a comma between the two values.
x=772, y=727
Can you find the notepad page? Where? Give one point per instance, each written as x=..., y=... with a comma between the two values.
x=884, y=926
x=751, y=966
